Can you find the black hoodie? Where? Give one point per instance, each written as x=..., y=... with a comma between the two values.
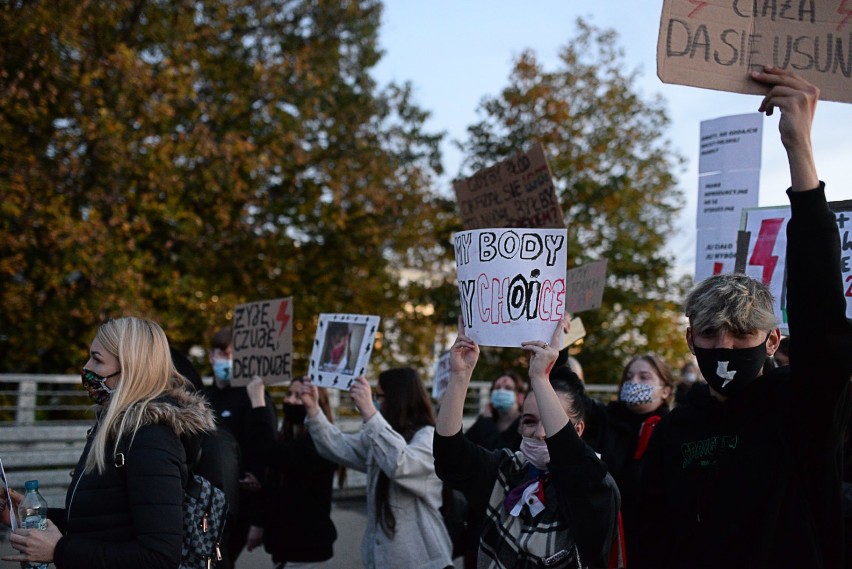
x=755, y=481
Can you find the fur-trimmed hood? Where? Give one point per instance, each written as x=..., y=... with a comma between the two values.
x=187, y=413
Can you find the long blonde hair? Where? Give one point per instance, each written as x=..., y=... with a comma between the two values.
x=147, y=372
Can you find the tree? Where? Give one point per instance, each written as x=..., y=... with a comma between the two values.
x=173, y=159
x=613, y=171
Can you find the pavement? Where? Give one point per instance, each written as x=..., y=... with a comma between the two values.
x=349, y=516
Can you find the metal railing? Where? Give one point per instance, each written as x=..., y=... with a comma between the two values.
x=44, y=419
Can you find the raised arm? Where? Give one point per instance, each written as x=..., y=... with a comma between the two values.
x=542, y=358
x=332, y=444
x=797, y=100
x=463, y=357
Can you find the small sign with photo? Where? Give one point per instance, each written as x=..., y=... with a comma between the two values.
x=441, y=376
x=342, y=349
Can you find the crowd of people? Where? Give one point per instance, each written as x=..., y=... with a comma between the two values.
x=741, y=469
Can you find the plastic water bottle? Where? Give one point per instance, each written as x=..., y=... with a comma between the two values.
x=32, y=513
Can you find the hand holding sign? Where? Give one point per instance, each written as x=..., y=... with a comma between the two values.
x=362, y=396
x=310, y=398
x=543, y=354
x=797, y=100
x=464, y=355
x=6, y=513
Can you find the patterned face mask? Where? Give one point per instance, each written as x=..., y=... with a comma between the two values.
x=96, y=386
x=636, y=393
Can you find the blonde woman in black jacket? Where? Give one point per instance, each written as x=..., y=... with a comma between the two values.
x=124, y=506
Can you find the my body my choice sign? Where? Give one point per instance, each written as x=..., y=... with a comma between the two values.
x=511, y=283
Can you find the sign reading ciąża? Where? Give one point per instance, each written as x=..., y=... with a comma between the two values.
x=715, y=43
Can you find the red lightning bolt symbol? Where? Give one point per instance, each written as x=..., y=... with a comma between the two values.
x=845, y=11
x=762, y=255
x=698, y=6
x=282, y=316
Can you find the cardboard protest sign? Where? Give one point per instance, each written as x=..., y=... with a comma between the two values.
x=263, y=341
x=584, y=287
x=511, y=283
x=716, y=43
x=765, y=258
x=342, y=348
x=441, y=376
x=577, y=332
x=517, y=192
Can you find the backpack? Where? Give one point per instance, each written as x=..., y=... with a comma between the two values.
x=454, y=511
x=205, y=508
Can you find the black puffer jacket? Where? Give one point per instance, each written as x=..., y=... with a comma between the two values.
x=131, y=516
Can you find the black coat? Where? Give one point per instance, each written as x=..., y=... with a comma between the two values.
x=298, y=491
x=614, y=433
x=755, y=481
x=131, y=515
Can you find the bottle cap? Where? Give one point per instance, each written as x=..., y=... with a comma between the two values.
x=31, y=485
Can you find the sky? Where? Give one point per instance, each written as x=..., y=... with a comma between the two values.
x=456, y=52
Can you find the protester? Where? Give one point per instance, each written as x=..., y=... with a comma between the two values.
x=624, y=427
x=747, y=474
x=551, y=504
x=218, y=459
x=124, y=507
x=233, y=411
x=298, y=530
x=394, y=447
x=690, y=375
x=497, y=425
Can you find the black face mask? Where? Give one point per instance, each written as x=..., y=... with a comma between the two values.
x=730, y=370
x=294, y=413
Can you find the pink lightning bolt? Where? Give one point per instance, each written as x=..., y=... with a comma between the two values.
x=282, y=316
x=699, y=4
x=845, y=11
x=762, y=255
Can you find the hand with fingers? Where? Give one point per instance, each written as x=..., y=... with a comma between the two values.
x=463, y=357
x=310, y=398
x=797, y=100
x=362, y=396
x=4, y=510
x=543, y=354
x=255, y=392
x=34, y=546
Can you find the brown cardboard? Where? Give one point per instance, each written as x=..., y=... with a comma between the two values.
x=584, y=287
x=263, y=341
x=516, y=192
x=716, y=43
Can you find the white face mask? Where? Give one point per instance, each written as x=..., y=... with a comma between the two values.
x=636, y=393
x=536, y=452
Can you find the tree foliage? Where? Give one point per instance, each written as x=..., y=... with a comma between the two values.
x=174, y=158
x=613, y=171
